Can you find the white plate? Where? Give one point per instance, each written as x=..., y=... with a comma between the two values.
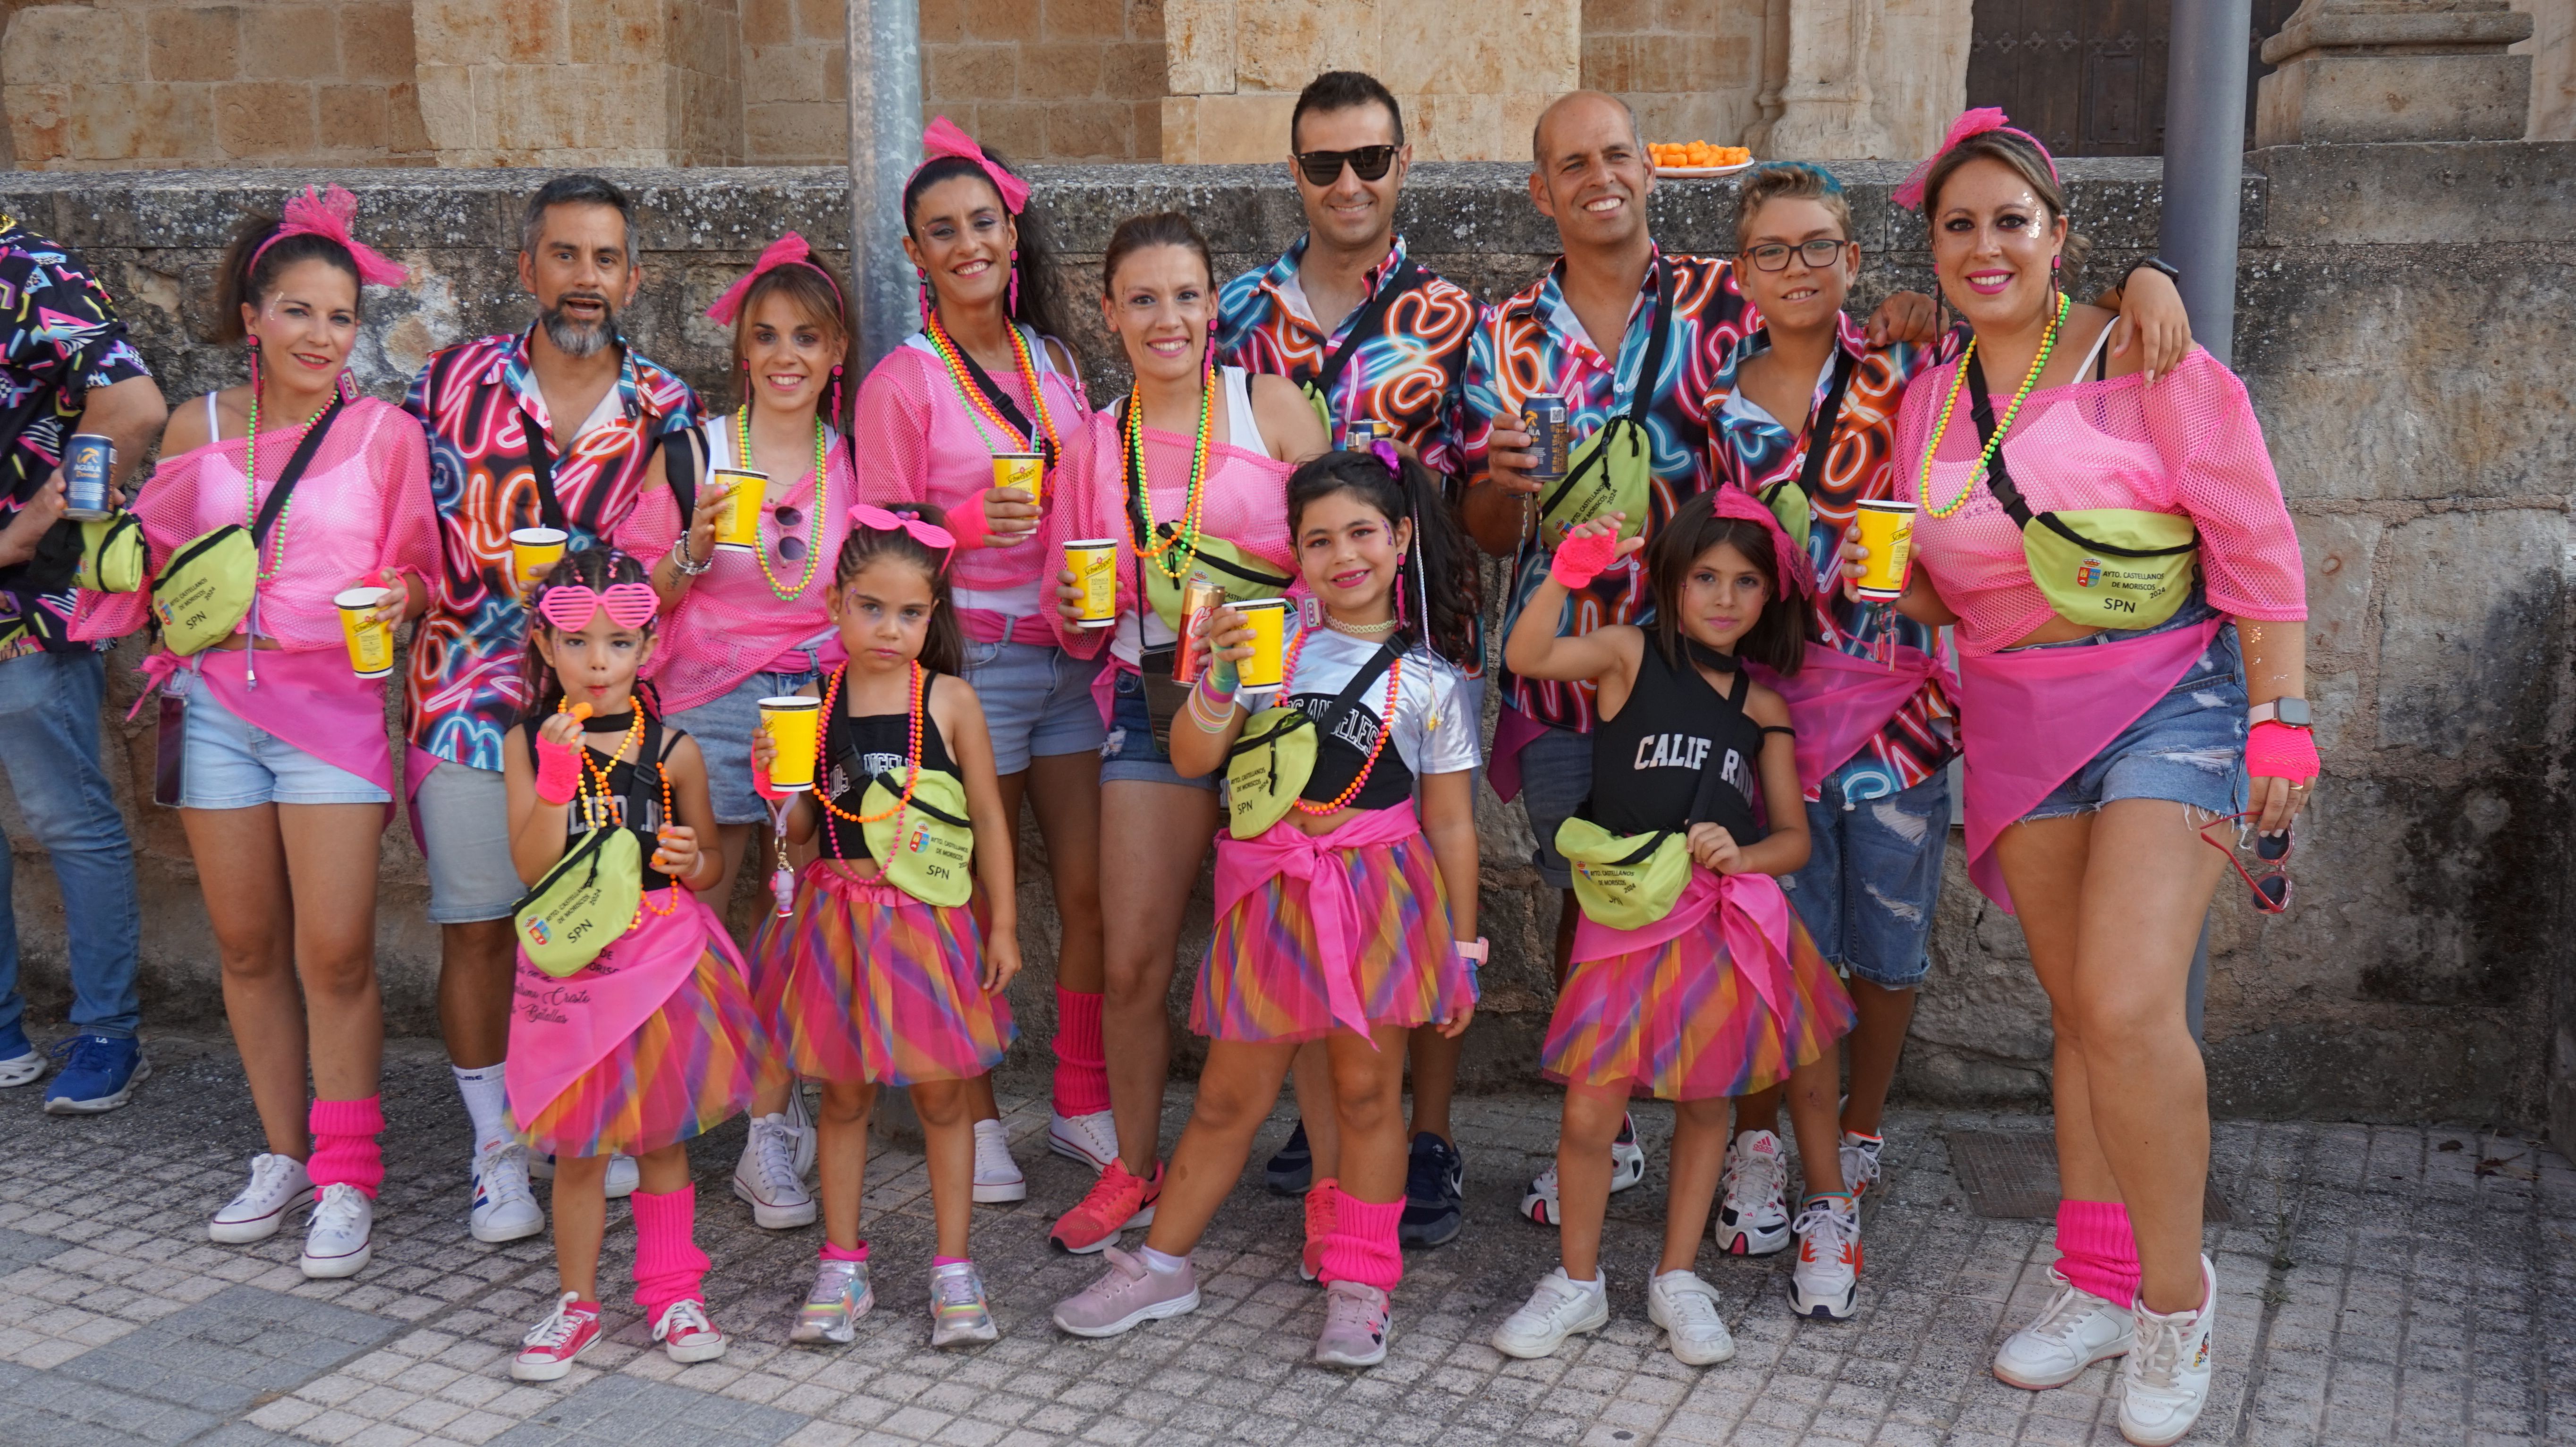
x=1697, y=173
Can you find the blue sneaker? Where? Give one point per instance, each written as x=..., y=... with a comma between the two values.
x=1435, y=1193
x=99, y=1074
x=20, y=1062
x=1292, y=1171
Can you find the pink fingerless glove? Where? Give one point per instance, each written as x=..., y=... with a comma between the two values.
x=2277, y=751
x=1582, y=557
x=967, y=524
x=558, y=771
x=760, y=784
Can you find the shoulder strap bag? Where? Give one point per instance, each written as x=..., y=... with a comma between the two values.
x=205, y=590
x=1319, y=388
x=1794, y=503
x=1267, y=766
x=1613, y=470
x=1629, y=881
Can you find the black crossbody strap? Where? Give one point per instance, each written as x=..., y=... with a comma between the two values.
x=541, y=464
x=1981, y=409
x=684, y=459
x=295, y=465
x=1406, y=277
x=1641, y=399
x=887, y=781
x=1002, y=403
x=1343, y=703
x=1820, y=427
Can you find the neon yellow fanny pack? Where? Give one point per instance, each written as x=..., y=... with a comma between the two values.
x=925, y=848
x=1624, y=881
x=583, y=904
x=115, y=558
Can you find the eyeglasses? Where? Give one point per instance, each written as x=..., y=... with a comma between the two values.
x=1323, y=168
x=1819, y=253
x=2270, y=876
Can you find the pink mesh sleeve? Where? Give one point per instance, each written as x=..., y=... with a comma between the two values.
x=411, y=535
x=649, y=530
x=2204, y=427
x=892, y=423
x=1089, y=488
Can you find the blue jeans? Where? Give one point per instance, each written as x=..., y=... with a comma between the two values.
x=1873, y=875
x=49, y=746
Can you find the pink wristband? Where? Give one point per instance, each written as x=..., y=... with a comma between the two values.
x=1581, y=558
x=2275, y=750
x=966, y=523
x=558, y=771
x=760, y=784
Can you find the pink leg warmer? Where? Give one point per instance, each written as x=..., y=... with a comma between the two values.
x=1362, y=1247
x=668, y=1263
x=1081, y=1061
x=344, y=1144
x=2097, y=1251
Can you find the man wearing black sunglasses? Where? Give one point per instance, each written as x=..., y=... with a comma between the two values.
x=1375, y=338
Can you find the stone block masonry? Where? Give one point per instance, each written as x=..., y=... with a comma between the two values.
x=2405, y=327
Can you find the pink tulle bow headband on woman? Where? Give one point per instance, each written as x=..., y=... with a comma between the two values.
x=1970, y=123
x=327, y=214
x=941, y=138
x=787, y=250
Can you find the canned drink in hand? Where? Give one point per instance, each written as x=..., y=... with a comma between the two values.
x=1199, y=601
x=88, y=461
x=1551, y=431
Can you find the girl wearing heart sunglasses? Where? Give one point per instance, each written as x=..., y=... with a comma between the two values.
x=652, y=1043
x=888, y=964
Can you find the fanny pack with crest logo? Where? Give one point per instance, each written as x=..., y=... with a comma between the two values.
x=925, y=848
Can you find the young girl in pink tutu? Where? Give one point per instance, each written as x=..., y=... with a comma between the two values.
x=886, y=969
x=1723, y=994
x=645, y=1047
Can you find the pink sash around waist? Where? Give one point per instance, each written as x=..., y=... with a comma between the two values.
x=1838, y=701
x=559, y=1029
x=1244, y=865
x=1752, y=916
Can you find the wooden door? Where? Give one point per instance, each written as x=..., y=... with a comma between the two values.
x=2088, y=76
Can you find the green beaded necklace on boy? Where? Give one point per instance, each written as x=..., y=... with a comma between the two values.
x=822, y=503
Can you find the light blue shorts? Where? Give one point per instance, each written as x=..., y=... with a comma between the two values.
x=2189, y=747
x=723, y=727
x=464, y=818
x=232, y=764
x=1128, y=754
x=1037, y=701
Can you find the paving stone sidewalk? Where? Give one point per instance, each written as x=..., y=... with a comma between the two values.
x=2377, y=1285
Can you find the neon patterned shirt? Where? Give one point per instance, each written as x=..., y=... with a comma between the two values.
x=465, y=687
x=1754, y=450
x=1535, y=345
x=59, y=337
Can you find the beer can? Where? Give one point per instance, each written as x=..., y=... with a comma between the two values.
x=1364, y=430
x=1198, y=601
x=1094, y=564
x=88, y=459
x=1885, y=526
x=1551, y=430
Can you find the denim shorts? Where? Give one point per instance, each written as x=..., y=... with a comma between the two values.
x=1128, y=753
x=723, y=727
x=2189, y=747
x=464, y=818
x=1037, y=701
x=233, y=764
x=1873, y=876
x=1556, y=777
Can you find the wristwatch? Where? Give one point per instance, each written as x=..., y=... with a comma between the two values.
x=2286, y=711
x=1475, y=952
x=2172, y=272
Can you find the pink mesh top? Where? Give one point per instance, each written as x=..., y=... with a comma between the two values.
x=362, y=505
x=732, y=624
x=2187, y=445
x=927, y=443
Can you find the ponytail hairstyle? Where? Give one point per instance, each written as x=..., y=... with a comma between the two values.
x=1778, y=638
x=1032, y=303
x=943, y=644
x=1435, y=588
x=248, y=274
x=598, y=569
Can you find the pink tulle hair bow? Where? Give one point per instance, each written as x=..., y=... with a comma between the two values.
x=327, y=214
x=1970, y=123
x=787, y=250
x=1786, y=556
x=942, y=138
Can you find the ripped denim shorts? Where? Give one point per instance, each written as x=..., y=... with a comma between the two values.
x=2189, y=747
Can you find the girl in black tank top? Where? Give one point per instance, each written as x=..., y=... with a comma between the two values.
x=855, y=752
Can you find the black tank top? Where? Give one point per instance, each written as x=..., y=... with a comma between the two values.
x=1342, y=748
x=634, y=799
x=1647, y=762
x=855, y=751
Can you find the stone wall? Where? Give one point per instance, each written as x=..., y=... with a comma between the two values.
x=2406, y=382
x=1066, y=80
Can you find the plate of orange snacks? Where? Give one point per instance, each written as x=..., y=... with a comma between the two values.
x=1687, y=159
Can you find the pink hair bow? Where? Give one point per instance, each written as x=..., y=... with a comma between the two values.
x=787, y=250
x=327, y=214
x=569, y=607
x=1970, y=123
x=1787, y=558
x=942, y=138
x=929, y=535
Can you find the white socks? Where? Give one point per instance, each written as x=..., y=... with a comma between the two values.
x=1162, y=1263
x=487, y=1103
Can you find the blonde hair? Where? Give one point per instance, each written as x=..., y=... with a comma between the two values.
x=2027, y=161
x=1794, y=181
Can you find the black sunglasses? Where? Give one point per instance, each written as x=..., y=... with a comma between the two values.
x=2270, y=876
x=1817, y=254
x=1323, y=168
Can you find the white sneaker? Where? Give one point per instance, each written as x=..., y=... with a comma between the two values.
x=1091, y=1139
x=1559, y=1308
x=1687, y=1309
x=997, y=1176
x=685, y=1333
x=1753, y=1202
x=20, y=1070
x=2075, y=1330
x=766, y=1176
x=505, y=1209
x=1860, y=1161
x=276, y=1184
x=1825, y=1281
x=1627, y=1168
x=623, y=1176
x=339, y=1241
x=2164, y=1382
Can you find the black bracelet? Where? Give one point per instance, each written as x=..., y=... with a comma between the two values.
x=2172, y=272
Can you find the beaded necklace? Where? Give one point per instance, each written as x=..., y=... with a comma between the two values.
x=1172, y=559
x=1386, y=726
x=822, y=504
x=598, y=778
x=912, y=761
x=250, y=480
x=1968, y=359
x=954, y=357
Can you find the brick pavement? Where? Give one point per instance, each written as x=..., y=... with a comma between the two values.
x=2379, y=1284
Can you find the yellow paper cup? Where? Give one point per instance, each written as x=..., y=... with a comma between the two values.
x=370, y=639
x=1094, y=564
x=793, y=724
x=534, y=552
x=1269, y=620
x=1023, y=470
x=738, y=527
x=1887, y=530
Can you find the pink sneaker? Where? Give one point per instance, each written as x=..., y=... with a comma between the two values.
x=547, y=1352
x=1115, y=1202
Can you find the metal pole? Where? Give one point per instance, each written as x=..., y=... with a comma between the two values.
x=2205, y=160
x=885, y=145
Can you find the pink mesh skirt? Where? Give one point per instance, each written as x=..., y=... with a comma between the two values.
x=864, y=982
x=686, y=1070
x=1678, y=1021
x=1261, y=982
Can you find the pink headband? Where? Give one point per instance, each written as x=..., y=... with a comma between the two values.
x=1970, y=123
x=571, y=606
x=929, y=535
x=327, y=214
x=788, y=250
x=941, y=138
x=1787, y=557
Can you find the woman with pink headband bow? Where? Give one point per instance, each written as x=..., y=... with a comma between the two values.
x=749, y=624
x=286, y=777
x=987, y=375
x=2122, y=576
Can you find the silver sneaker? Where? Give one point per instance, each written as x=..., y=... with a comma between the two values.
x=1357, y=1322
x=831, y=1312
x=958, y=1311
x=767, y=1177
x=2075, y=1330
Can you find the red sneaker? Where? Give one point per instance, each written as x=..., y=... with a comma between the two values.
x=1116, y=1201
x=1319, y=1224
x=548, y=1350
